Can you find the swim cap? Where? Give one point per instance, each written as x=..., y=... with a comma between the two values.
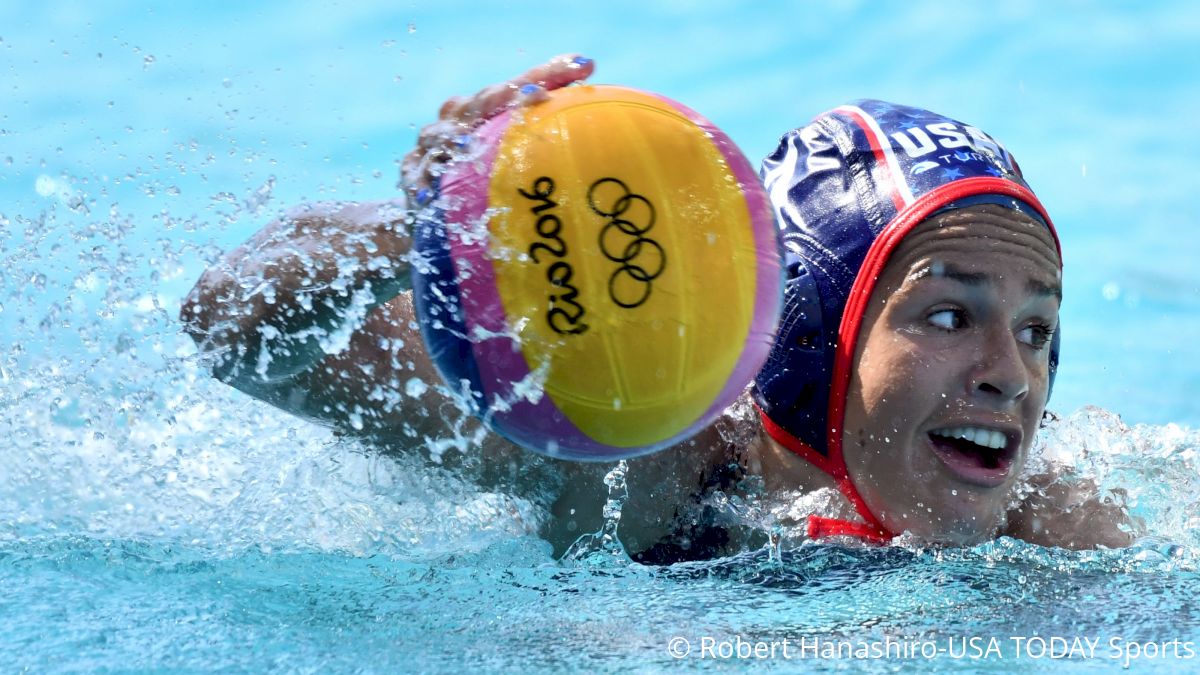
x=847, y=188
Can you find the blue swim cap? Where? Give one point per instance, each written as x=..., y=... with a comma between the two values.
x=847, y=188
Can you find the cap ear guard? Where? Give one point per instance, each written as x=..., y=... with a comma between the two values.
x=793, y=386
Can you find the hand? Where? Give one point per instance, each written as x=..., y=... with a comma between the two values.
x=460, y=116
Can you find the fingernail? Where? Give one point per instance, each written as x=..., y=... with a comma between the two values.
x=423, y=196
x=528, y=89
x=581, y=61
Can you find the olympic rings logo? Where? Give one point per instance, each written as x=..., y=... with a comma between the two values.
x=642, y=259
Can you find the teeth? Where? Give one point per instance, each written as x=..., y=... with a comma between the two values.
x=988, y=438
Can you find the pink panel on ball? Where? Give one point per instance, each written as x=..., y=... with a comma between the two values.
x=499, y=358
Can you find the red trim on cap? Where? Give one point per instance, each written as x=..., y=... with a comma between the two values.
x=799, y=447
x=834, y=469
x=881, y=159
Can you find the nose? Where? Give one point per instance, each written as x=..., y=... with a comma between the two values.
x=1000, y=372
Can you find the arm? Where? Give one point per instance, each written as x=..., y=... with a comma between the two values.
x=272, y=307
x=309, y=315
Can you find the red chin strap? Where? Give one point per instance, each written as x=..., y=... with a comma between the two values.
x=820, y=527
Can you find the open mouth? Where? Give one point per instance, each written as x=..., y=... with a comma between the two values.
x=977, y=455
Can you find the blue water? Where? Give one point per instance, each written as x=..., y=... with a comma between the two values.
x=152, y=519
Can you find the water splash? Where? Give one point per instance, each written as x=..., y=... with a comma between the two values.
x=604, y=548
x=115, y=428
x=1153, y=471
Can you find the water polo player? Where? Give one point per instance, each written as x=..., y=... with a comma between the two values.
x=903, y=392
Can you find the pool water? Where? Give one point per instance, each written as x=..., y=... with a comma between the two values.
x=153, y=519
x=88, y=604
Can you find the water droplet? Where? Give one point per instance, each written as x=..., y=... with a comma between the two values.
x=412, y=28
x=147, y=61
x=415, y=387
x=45, y=185
x=227, y=83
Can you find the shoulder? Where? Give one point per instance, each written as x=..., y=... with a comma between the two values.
x=1070, y=514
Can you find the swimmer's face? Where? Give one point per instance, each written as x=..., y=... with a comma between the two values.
x=952, y=371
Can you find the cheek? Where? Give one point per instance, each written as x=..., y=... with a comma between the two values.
x=899, y=385
x=890, y=378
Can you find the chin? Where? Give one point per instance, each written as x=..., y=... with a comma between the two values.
x=961, y=522
x=962, y=506
x=960, y=501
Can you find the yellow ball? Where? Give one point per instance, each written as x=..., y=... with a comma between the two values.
x=603, y=277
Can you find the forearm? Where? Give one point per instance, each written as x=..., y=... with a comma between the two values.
x=277, y=304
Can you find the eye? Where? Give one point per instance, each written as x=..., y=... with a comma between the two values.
x=947, y=319
x=1037, y=335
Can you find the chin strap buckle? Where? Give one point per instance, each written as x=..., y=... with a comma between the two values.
x=820, y=527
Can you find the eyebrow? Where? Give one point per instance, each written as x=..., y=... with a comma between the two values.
x=977, y=279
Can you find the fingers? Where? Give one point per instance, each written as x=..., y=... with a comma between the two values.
x=452, y=108
x=418, y=172
x=491, y=101
x=459, y=115
x=559, y=71
x=412, y=177
x=437, y=134
x=436, y=145
x=495, y=99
